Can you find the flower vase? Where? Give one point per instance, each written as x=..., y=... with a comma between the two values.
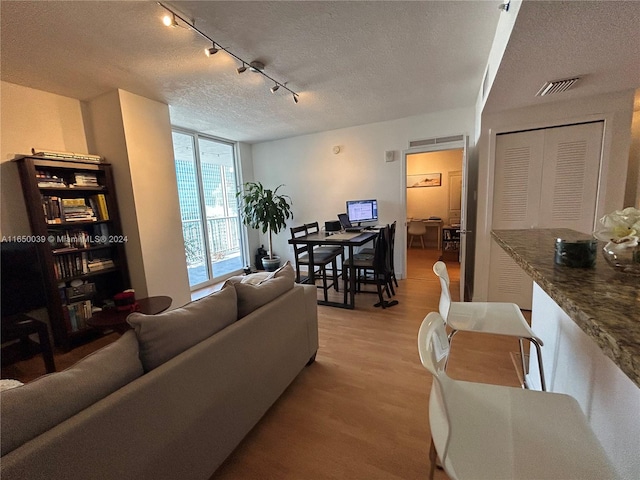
x=625, y=261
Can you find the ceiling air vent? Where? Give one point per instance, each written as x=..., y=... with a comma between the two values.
x=435, y=141
x=557, y=86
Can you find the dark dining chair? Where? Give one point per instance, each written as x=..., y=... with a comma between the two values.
x=321, y=260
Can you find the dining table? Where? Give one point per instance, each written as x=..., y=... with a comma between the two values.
x=348, y=240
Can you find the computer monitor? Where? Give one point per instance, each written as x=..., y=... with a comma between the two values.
x=362, y=210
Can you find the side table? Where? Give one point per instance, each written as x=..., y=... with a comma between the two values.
x=117, y=320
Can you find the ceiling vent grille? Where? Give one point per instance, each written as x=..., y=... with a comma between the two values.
x=557, y=86
x=436, y=141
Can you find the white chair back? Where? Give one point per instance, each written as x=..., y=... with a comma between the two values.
x=433, y=347
x=440, y=269
x=433, y=344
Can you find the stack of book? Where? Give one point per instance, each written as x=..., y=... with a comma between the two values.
x=46, y=180
x=85, y=180
x=76, y=210
x=100, y=264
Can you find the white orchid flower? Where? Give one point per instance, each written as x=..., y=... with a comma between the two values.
x=621, y=229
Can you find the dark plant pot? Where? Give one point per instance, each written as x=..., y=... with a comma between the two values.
x=271, y=265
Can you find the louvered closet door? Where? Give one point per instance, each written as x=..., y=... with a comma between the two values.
x=517, y=179
x=516, y=202
x=543, y=179
x=570, y=175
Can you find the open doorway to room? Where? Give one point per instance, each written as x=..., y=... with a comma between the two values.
x=433, y=210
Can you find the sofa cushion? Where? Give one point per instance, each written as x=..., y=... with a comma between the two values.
x=251, y=297
x=38, y=406
x=165, y=335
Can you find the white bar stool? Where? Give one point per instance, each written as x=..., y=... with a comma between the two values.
x=482, y=431
x=487, y=317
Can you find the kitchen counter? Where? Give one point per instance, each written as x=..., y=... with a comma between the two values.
x=605, y=304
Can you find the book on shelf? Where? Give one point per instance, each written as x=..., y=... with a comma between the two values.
x=101, y=206
x=52, y=209
x=47, y=180
x=71, y=265
x=100, y=264
x=69, y=156
x=84, y=179
x=76, y=315
x=76, y=210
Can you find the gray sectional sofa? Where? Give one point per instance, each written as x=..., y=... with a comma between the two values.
x=171, y=398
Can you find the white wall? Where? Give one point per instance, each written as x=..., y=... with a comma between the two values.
x=615, y=109
x=319, y=181
x=134, y=133
x=32, y=118
x=432, y=201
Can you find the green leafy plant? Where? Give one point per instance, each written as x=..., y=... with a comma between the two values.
x=264, y=209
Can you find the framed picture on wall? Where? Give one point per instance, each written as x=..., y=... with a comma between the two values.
x=424, y=180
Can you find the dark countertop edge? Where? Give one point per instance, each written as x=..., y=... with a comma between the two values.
x=629, y=365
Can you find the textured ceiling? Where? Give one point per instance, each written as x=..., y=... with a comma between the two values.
x=551, y=40
x=352, y=62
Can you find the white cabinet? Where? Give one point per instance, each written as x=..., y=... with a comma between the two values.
x=544, y=178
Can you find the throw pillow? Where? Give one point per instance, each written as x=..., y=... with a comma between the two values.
x=251, y=297
x=257, y=278
x=38, y=406
x=165, y=335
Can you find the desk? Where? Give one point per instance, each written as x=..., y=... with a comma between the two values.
x=117, y=319
x=341, y=240
x=437, y=224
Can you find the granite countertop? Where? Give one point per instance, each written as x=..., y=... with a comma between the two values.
x=605, y=304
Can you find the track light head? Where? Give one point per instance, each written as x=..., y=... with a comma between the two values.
x=211, y=50
x=170, y=20
x=256, y=66
x=504, y=6
x=275, y=88
x=242, y=69
x=295, y=98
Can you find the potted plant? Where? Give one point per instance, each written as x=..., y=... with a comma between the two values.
x=265, y=210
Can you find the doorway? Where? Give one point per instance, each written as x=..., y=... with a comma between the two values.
x=434, y=192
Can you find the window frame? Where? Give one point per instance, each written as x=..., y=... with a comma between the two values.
x=242, y=234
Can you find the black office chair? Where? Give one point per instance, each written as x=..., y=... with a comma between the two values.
x=321, y=259
x=363, y=253
x=374, y=269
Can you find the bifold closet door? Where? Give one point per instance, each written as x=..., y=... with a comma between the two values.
x=544, y=178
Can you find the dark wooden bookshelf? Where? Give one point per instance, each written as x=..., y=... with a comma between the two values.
x=50, y=237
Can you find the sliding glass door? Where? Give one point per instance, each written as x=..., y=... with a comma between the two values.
x=206, y=173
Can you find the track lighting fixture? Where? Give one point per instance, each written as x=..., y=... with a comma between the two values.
x=256, y=67
x=171, y=20
x=211, y=50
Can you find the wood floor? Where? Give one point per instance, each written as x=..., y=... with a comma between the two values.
x=360, y=411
